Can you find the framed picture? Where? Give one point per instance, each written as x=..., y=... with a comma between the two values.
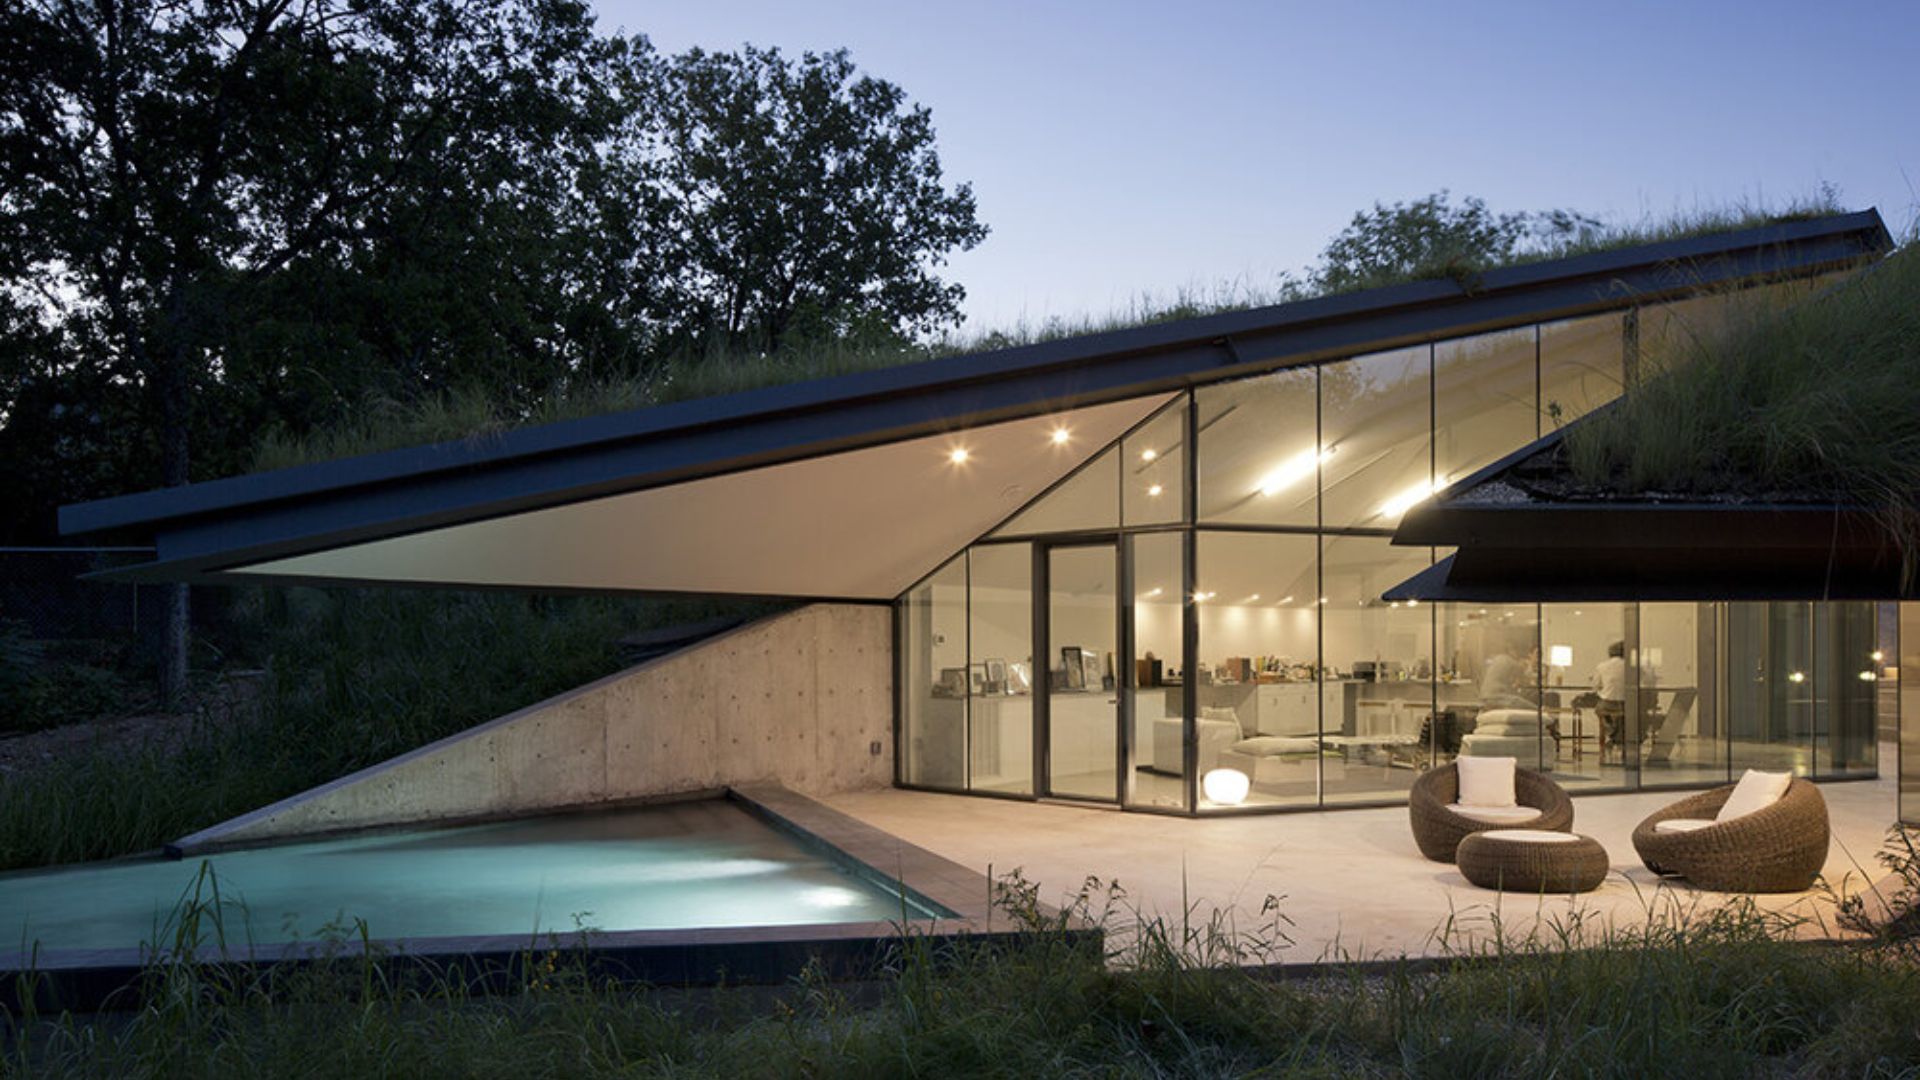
x=1019, y=678
x=996, y=676
x=953, y=683
x=977, y=679
x=1073, y=662
x=1090, y=674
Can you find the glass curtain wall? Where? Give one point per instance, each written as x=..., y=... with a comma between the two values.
x=1244, y=658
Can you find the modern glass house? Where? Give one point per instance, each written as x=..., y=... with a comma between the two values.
x=1149, y=568
x=1194, y=621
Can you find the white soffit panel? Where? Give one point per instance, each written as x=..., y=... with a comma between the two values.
x=864, y=524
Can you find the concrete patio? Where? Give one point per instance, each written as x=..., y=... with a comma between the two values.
x=1351, y=882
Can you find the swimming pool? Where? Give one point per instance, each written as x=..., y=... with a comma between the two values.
x=702, y=864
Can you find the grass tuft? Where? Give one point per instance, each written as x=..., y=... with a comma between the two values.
x=1818, y=401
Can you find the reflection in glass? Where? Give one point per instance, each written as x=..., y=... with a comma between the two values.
x=1680, y=738
x=1153, y=468
x=1085, y=500
x=1909, y=709
x=1484, y=407
x=1154, y=693
x=1769, y=682
x=1260, y=695
x=1490, y=700
x=1000, y=636
x=1847, y=689
x=933, y=707
x=1583, y=660
x=1258, y=463
x=1376, y=431
x=1582, y=367
x=1083, y=716
x=1380, y=657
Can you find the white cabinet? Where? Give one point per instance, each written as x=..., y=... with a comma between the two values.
x=1294, y=708
x=1003, y=742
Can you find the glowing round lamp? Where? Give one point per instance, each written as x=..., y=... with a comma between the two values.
x=1225, y=787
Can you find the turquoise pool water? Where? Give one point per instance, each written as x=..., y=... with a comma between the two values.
x=684, y=865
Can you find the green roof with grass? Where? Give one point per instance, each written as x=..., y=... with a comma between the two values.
x=1426, y=240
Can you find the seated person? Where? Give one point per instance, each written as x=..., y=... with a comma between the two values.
x=1610, y=687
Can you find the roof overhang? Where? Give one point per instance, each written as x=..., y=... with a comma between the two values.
x=834, y=488
x=1651, y=552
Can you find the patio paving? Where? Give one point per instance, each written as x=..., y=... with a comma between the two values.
x=1350, y=881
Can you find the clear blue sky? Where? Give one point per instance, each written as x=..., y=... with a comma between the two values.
x=1122, y=148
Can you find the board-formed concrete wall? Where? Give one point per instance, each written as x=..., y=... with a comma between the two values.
x=802, y=699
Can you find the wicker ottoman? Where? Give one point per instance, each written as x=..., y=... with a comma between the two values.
x=1532, y=861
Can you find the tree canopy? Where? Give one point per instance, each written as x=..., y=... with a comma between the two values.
x=222, y=217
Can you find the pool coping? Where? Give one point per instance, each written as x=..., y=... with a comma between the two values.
x=958, y=898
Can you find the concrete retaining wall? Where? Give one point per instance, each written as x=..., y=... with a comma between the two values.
x=802, y=699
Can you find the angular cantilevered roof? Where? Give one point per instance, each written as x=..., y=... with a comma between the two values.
x=1515, y=544
x=846, y=488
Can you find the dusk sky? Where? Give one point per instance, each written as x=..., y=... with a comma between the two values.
x=1125, y=148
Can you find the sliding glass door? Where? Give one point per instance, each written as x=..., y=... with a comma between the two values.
x=1082, y=687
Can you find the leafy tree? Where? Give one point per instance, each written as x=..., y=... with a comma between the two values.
x=166, y=168
x=223, y=217
x=807, y=203
x=1432, y=238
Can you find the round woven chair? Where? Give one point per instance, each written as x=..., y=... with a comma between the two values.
x=1438, y=830
x=1778, y=848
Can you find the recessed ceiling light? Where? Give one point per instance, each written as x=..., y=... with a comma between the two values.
x=1060, y=436
x=958, y=455
x=1149, y=454
x=1155, y=490
x=1284, y=600
x=1155, y=591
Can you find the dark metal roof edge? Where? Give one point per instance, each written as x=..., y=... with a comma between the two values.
x=192, y=500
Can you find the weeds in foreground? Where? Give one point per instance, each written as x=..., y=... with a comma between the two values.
x=1718, y=991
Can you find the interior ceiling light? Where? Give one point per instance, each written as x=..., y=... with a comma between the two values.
x=1293, y=470
x=1148, y=454
x=1251, y=599
x=1155, y=490
x=1284, y=600
x=1155, y=591
x=1407, y=499
x=1060, y=436
x=958, y=455
x=1797, y=677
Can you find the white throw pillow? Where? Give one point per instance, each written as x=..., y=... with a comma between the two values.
x=1224, y=715
x=1486, y=781
x=1682, y=824
x=1756, y=791
x=1531, y=836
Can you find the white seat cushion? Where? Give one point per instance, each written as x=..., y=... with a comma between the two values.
x=1756, y=791
x=1486, y=781
x=1270, y=745
x=1507, y=722
x=1509, y=814
x=1682, y=824
x=1530, y=836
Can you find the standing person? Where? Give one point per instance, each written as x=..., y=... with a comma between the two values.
x=1610, y=686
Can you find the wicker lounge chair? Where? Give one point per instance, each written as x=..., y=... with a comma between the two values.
x=1779, y=848
x=1438, y=830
